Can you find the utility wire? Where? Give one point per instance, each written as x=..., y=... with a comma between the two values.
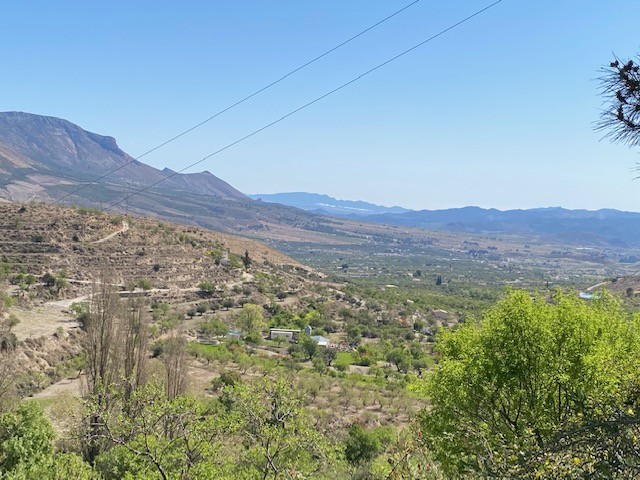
x=226, y=109
x=293, y=112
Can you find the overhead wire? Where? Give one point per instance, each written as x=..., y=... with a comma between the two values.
x=308, y=104
x=248, y=97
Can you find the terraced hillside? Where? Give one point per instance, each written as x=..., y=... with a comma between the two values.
x=37, y=239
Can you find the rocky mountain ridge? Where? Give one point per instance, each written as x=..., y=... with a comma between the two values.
x=38, y=144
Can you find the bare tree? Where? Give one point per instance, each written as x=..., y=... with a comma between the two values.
x=8, y=375
x=135, y=333
x=175, y=362
x=102, y=359
x=116, y=350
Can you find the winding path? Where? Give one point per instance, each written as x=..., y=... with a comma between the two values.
x=124, y=228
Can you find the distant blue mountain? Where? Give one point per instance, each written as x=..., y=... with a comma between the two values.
x=605, y=227
x=325, y=204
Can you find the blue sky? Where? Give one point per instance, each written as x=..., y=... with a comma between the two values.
x=496, y=113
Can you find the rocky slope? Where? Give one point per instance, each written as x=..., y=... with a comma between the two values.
x=38, y=144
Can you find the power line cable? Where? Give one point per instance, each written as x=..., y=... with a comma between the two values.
x=226, y=109
x=293, y=112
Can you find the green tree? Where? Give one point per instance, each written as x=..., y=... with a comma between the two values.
x=269, y=416
x=508, y=389
x=251, y=321
x=61, y=282
x=354, y=334
x=400, y=358
x=309, y=346
x=328, y=355
x=206, y=286
x=213, y=327
x=26, y=448
x=80, y=311
x=165, y=439
x=48, y=279
x=361, y=445
x=26, y=439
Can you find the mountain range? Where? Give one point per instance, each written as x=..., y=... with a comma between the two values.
x=325, y=204
x=34, y=145
x=53, y=160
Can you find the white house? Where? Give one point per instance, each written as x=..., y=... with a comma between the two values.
x=321, y=341
x=287, y=333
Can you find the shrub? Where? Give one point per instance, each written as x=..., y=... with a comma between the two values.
x=144, y=284
x=8, y=341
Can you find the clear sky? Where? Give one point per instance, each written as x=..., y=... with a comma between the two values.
x=496, y=113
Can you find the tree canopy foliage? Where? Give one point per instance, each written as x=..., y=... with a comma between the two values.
x=620, y=85
x=538, y=387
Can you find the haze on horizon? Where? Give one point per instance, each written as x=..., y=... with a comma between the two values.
x=496, y=113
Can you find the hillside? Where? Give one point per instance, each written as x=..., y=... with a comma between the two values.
x=40, y=238
x=52, y=160
x=49, y=159
x=34, y=144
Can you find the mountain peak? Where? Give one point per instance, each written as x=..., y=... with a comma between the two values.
x=58, y=147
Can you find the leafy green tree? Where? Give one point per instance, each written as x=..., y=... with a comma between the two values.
x=165, y=439
x=213, y=327
x=251, y=321
x=26, y=439
x=328, y=355
x=361, y=445
x=80, y=311
x=309, y=346
x=354, y=334
x=319, y=365
x=206, y=286
x=400, y=358
x=67, y=465
x=61, y=282
x=202, y=308
x=365, y=355
x=269, y=416
x=508, y=389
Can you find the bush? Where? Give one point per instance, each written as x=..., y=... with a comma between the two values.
x=48, y=279
x=206, y=286
x=362, y=445
x=202, y=308
x=144, y=284
x=8, y=341
x=226, y=379
x=80, y=310
x=157, y=349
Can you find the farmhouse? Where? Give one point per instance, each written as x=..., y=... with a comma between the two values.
x=287, y=333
